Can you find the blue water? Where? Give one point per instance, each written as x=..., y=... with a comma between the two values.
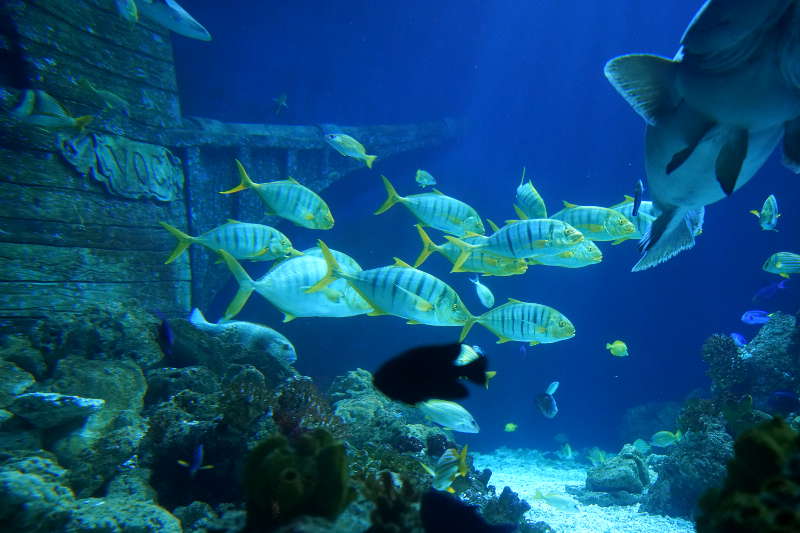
x=528, y=78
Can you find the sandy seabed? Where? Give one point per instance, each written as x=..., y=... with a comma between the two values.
x=527, y=471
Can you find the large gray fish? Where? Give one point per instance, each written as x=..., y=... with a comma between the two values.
x=171, y=15
x=715, y=112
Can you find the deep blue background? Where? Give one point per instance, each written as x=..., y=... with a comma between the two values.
x=528, y=77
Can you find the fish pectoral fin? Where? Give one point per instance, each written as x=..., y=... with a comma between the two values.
x=791, y=145
x=288, y=317
x=755, y=212
x=309, y=216
x=646, y=82
x=619, y=241
x=420, y=303
x=730, y=159
x=501, y=340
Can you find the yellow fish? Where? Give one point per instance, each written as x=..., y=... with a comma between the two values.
x=662, y=439
x=768, y=216
x=481, y=261
x=436, y=210
x=596, y=223
x=783, y=264
x=525, y=322
x=288, y=199
x=450, y=465
x=528, y=203
x=510, y=427
x=617, y=348
x=424, y=178
x=583, y=254
x=347, y=146
x=37, y=108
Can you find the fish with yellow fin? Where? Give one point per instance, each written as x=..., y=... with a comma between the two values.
x=596, y=223
x=39, y=109
x=108, y=99
x=510, y=427
x=528, y=202
x=524, y=322
x=617, y=348
x=288, y=199
x=349, y=147
x=768, y=216
x=782, y=264
x=583, y=254
x=450, y=465
x=481, y=261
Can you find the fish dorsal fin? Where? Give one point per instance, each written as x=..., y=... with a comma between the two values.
x=232, y=221
x=520, y=213
x=428, y=469
x=437, y=191
x=400, y=263
x=472, y=234
x=514, y=301
x=292, y=180
x=522, y=179
x=568, y=205
x=492, y=225
x=628, y=199
x=512, y=221
x=646, y=82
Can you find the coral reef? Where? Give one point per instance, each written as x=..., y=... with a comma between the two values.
x=728, y=370
x=762, y=487
x=644, y=420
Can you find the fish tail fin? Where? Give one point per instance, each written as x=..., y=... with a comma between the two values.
x=391, y=196
x=669, y=235
x=369, y=159
x=465, y=248
x=245, y=183
x=467, y=326
x=184, y=241
x=83, y=121
x=334, y=270
x=428, y=246
x=197, y=318
x=246, y=285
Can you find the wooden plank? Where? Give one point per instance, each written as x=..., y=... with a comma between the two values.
x=87, y=235
x=100, y=18
x=39, y=26
x=42, y=299
x=31, y=262
x=63, y=205
x=44, y=169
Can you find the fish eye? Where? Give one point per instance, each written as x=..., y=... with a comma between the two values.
x=562, y=324
x=331, y=136
x=454, y=307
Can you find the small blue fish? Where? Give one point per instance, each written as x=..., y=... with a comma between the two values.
x=638, y=189
x=197, y=462
x=739, y=339
x=756, y=316
x=769, y=291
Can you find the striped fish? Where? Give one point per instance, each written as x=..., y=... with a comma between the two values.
x=285, y=287
x=783, y=264
x=521, y=239
x=401, y=290
x=596, y=223
x=480, y=261
x=526, y=322
x=528, y=202
x=288, y=199
x=583, y=254
x=641, y=222
x=436, y=210
x=254, y=242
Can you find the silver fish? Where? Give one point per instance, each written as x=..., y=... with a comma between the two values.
x=169, y=14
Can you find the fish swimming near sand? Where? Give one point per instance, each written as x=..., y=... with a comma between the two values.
x=715, y=112
x=427, y=372
x=253, y=336
x=169, y=14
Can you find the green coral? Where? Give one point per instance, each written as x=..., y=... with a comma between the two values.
x=284, y=480
x=762, y=490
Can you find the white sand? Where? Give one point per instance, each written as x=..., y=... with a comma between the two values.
x=525, y=471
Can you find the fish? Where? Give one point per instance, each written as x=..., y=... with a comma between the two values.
x=738, y=339
x=510, y=427
x=424, y=178
x=596, y=223
x=166, y=335
x=468, y=354
x=170, y=15
x=449, y=415
x=559, y=501
x=196, y=464
x=783, y=264
x=546, y=402
x=253, y=336
x=618, y=348
x=285, y=286
x=783, y=402
x=429, y=372
x=756, y=316
x=450, y=465
x=638, y=190
x=348, y=146
x=525, y=322
x=769, y=291
x=484, y=293
x=522, y=239
x=565, y=452
x=768, y=216
x=38, y=109
x=435, y=210
x=401, y=290
x=253, y=242
x=596, y=456
x=107, y=98
x=443, y=513
x=288, y=199
x=127, y=9
x=641, y=222
x=663, y=439
x=281, y=103
x=641, y=446
x=484, y=262
x=710, y=128
x=583, y=254
x=528, y=202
